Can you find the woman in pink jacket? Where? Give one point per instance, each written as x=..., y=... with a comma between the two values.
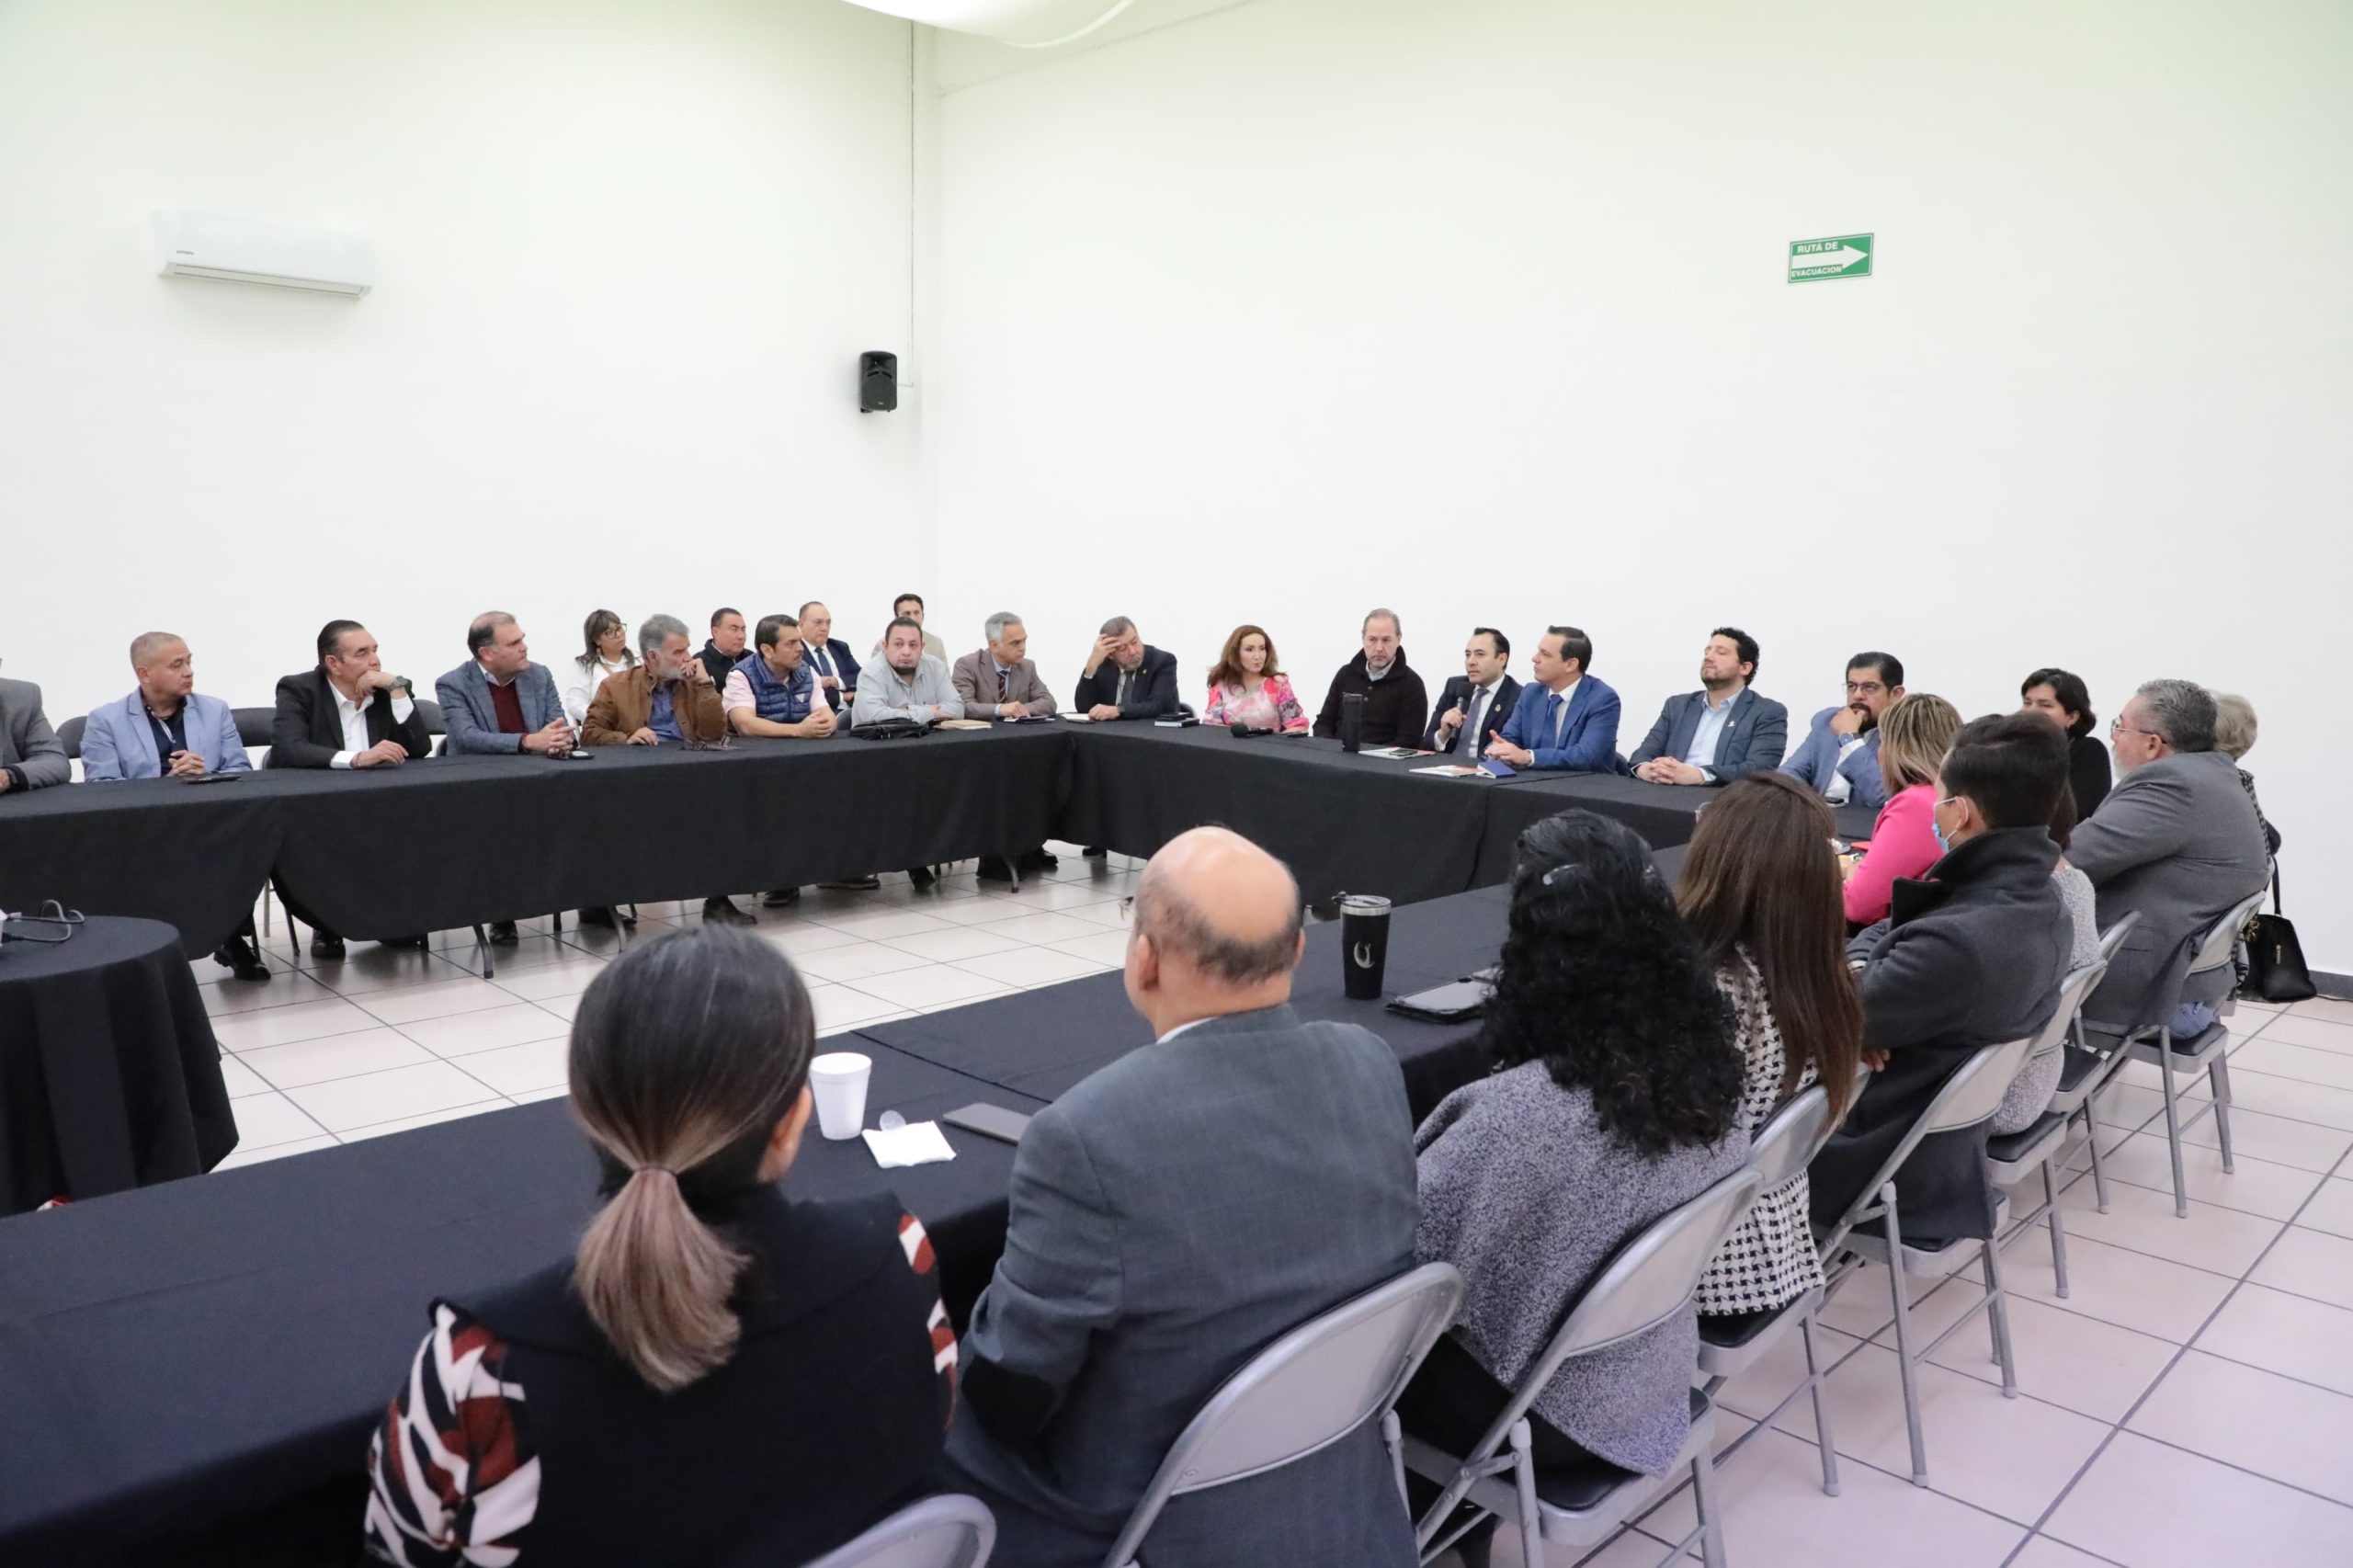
x=1915, y=733
x=1247, y=686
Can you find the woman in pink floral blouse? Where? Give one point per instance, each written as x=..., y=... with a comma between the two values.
x=1247, y=686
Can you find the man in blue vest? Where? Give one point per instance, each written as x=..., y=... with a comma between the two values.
x=772, y=691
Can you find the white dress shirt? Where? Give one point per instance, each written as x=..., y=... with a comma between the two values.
x=1841, y=786
x=1710, y=733
x=355, y=721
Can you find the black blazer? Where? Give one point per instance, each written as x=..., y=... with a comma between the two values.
x=1152, y=695
x=1457, y=694
x=844, y=671
x=1971, y=957
x=307, y=733
x=2088, y=774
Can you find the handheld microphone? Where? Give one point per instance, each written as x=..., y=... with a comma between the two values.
x=1242, y=732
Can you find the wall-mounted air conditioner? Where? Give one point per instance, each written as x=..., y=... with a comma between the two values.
x=204, y=245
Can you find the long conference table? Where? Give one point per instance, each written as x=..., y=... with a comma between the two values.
x=190, y=1373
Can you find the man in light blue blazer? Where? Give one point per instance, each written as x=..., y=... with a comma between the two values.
x=1840, y=756
x=1565, y=721
x=165, y=727
x=1721, y=733
x=498, y=702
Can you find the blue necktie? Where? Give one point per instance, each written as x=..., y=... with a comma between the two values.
x=1552, y=718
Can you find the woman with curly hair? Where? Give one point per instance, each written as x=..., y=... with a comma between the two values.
x=1615, y=1097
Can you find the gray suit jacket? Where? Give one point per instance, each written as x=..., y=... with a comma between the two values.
x=2177, y=839
x=472, y=722
x=975, y=678
x=30, y=749
x=1755, y=734
x=1171, y=1216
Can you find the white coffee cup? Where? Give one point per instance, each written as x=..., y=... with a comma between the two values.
x=838, y=1080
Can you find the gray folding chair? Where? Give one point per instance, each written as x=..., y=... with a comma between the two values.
x=1304, y=1393
x=1969, y=1098
x=2092, y=1062
x=2036, y=1147
x=1779, y=1153
x=948, y=1531
x=1650, y=1281
x=2154, y=1042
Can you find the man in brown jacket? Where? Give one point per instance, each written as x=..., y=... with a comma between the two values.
x=669, y=696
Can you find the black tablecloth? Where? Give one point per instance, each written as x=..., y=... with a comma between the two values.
x=443, y=842
x=210, y=1356
x=109, y=1076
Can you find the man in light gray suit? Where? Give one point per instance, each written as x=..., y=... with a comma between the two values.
x=2176, y=840
x=31, y=756
x=500, y=703
x=1173, y=1215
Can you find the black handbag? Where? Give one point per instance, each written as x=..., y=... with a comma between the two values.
x=890, y=730
x=2274, y=960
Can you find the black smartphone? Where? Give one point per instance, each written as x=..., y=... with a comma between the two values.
x=989, y=1121
x=1455, y=1000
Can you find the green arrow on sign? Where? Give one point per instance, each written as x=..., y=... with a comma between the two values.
x=1841, y=255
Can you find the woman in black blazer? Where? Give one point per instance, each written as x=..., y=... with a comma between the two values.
x=2063, y=697
x=720, y=1373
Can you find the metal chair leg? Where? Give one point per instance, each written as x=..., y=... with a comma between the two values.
x=2058, y=1230
x=1997, y=1319
x=1704, y=1496
x=1821, y=1411
x=2218, y=1076
x=2099, y=1176
x=2173, y=1125
x=482, y=948
x=1904, y=1338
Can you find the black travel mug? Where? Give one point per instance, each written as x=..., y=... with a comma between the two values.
x=1364, y=944
x=1351, y=721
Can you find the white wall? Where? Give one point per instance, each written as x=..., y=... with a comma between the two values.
x=629, y=256
x=1478, y=309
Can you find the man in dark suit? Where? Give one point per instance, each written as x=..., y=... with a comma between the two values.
x=2178, y=842
x=829, y=656
x=1723, y=732
x=1125, y=676
x=347, y=712
x=1170, y=1217
x=724, y=648
x=1972, y=956
x=1475, y=703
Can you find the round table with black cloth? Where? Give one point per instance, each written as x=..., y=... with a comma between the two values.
x=110, y=1075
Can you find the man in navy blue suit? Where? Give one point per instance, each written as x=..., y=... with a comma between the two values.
x=1723, y=730
x=829, y=657
x=1475, y=703
x=1840, y=756
x=1565, y=722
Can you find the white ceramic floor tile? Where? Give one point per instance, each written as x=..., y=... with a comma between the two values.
x=2010, y=1456
x=283, y=1026
x=2092, y=1368
x=2259, y=1421
x=1106, y=948
x=2298, y=1099
x=1040, y=896
x=1112, y=914
x=2223, y=1240
x=2303, y=1028
x=406, y=1123
x=855, y=963
x=415, y=1004
x=2331, y=1208
x=265, y=1120
x=236, y=996
x=2310, y=1263
x=1781, y=1369
x=898, y=922
x=470, y=1032
x=338, y=1056
x=1775, y=1514
x=954, y=946
x=843, y=1006
x=371, y=969
x=2044, y=1552
x=2305, y=1145
x=1033, y=966
x=2304, y=1063
x=2329, y=1009
x=515, y=1070
x=2116, y=1285
x=527, y=1096
x=799, y=941
x=1040, y=930
x=2257, y=1186
x=561, y=1007
x=933, y=985
x=2150, y=1506
x=2289, y=1335
x=240, y=1079
x=244, y=1156
x=390, y=1096
x=979, y=910
x=568, y=978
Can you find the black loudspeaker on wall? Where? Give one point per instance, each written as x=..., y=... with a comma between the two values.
x=878, y=381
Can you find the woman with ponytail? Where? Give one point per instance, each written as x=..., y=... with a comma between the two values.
x=719, y=1367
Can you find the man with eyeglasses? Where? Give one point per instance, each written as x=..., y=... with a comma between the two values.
x=1840, y=760
x=2176, y=841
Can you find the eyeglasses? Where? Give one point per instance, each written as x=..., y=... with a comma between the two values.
x=2118, y=727
x=1865, y=687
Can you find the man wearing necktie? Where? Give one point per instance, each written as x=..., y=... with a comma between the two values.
x=1474, y=704
x=1125, y=676
x=829, y=656
x=1568, y=721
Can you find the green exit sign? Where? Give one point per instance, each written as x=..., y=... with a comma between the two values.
x=1841, y=255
